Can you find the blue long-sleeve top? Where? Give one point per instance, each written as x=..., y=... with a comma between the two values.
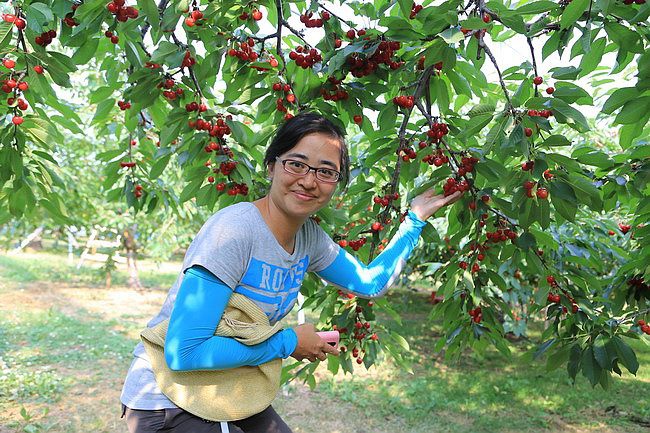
x=202, y=299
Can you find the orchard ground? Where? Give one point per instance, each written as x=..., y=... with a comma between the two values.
x=66, y=342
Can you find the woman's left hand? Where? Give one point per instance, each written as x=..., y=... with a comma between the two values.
x=428, y=203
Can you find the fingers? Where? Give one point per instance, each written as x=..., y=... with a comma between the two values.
x=330, y=349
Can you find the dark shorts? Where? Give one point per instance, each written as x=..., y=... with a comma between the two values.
x=179, y=421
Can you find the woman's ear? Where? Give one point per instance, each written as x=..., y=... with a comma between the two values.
x=270, y=170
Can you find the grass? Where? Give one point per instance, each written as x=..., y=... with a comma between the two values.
x=66, y=342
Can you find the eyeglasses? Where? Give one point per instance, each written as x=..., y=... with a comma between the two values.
x=299, y=168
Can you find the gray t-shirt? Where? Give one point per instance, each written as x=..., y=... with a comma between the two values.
x=237, y=246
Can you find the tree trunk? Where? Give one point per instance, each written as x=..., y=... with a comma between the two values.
x=130, y=244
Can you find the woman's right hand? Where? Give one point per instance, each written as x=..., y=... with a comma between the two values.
x=310, y=345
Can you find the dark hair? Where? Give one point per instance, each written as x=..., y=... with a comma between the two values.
x=294, y=129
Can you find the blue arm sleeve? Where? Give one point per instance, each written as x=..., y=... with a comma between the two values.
x=191, y=343
x=370, y=281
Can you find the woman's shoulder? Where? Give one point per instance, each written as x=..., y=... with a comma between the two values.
x=236, y=218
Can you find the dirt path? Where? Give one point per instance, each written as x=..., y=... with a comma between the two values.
x=91, y=404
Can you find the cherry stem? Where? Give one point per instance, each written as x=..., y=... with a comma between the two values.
x=481, y=44
x=320, y=5
x=532, y=53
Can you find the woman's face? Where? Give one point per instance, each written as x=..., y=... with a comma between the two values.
x=301, y=196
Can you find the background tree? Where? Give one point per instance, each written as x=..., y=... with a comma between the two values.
x=186, y=95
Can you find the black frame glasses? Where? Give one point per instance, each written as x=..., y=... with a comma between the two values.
x=299, y=168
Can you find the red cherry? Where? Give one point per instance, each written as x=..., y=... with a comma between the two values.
x=17, y=120
x=375, y=226
x=38, y=69
x=350, y=34
x=551, y=280
x=8, y=63
x=343, y=243
x=189, y=22
x=538, y=80
x=487, y=18
x=358, y=119
x=550, y=90
x=542, y=193
x=257, y=15
x=528, y=132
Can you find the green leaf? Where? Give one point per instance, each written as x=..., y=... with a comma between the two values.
x=159, y=166
x=600, y=352
x=5, y=34
x=618, y=98
x=164, y=50
x=565, y=73
x=103, y=110
x=481, y=109
x=626, y=355
x=86, y=52
x=556, y=140
x=572, y=12
x=590, y=368
x=633, y=111
x=537, y=7
x=563, y=112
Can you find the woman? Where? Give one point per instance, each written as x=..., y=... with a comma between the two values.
x=261, y=250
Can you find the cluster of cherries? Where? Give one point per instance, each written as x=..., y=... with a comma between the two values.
x=352, y=34
x=195, y=106
x=438, y=158
x=69, y=17
x=216, y=147
x=188, y=60
x=216, y=129
x=452, y=185
x=255, y=14
x=227, y=167
x=45, y=38
x=112, y=36
x=355, y=245
x=137, y=191
x=386, y=199
x=194, y=18
x=124, y=105
x=415, y=9
x=235, y=189
x=13, y=19
x=501, y=235
x=310, y=22
x=541, y=193
x=10, y=85
x=555, y=298
x=245, y=51
x=335, y=93
x=476, y=314
x=420, y=66
x=539, y=80
x=625, y=228
x=304, y=57
x=169, y=93
x=407, y=154
x=361, y=66
x=437, y=131
x=644, y=326
x=122, y=13
x=404, y=101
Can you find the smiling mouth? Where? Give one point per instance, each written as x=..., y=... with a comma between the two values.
x=303, y=196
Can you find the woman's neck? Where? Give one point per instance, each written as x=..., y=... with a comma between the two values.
x=283, y=227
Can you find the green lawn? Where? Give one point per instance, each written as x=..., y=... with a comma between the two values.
x=65, y=345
